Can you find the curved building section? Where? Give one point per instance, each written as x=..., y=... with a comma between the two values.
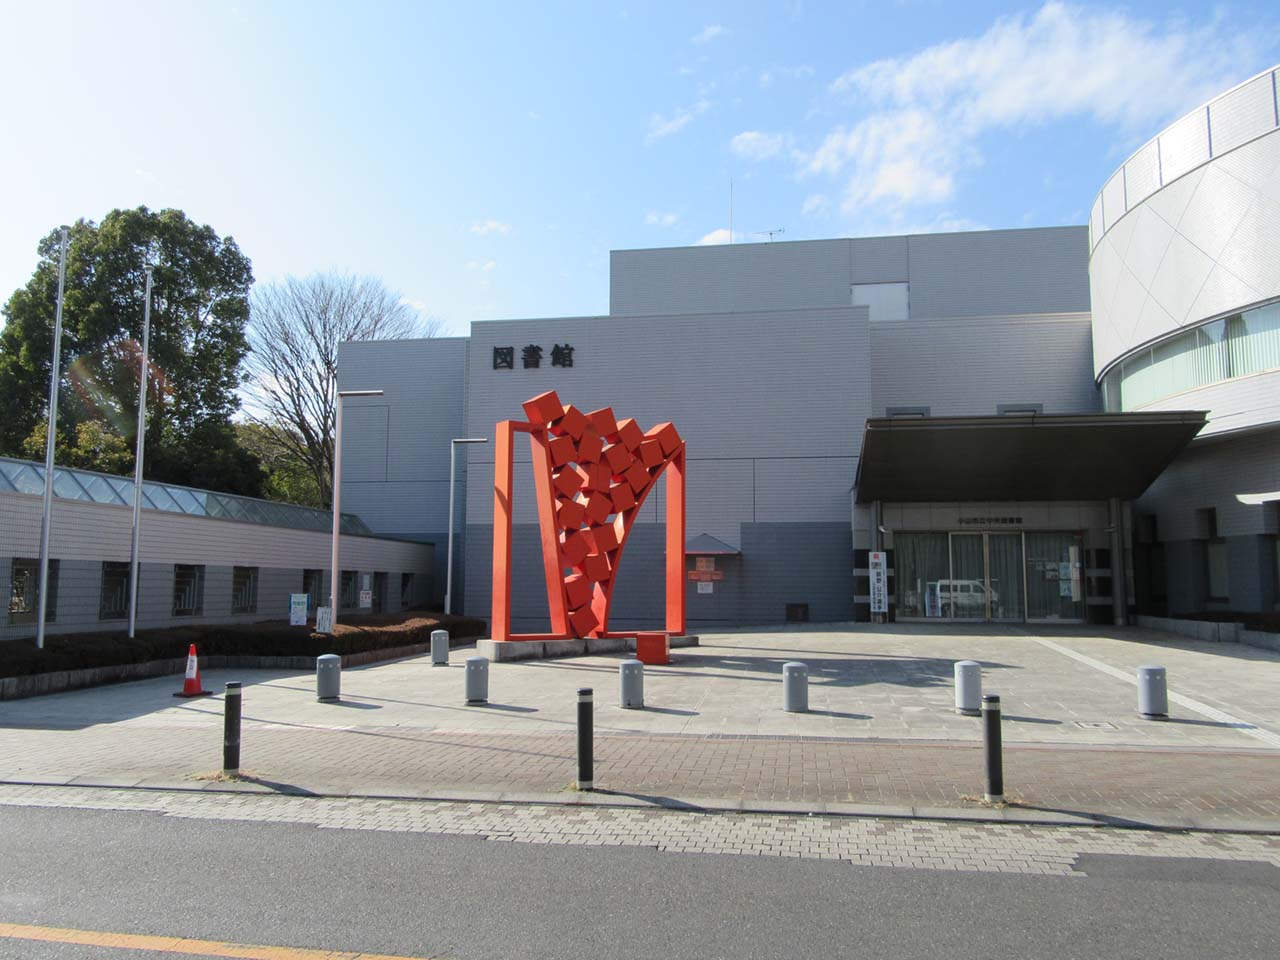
x=1184, y=277
x=1184, y=270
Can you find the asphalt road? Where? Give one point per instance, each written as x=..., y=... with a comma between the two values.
x=468, y=898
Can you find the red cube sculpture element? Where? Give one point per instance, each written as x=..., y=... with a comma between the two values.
x=584, y=514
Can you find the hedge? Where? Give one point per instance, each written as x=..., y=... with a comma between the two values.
x=268, y=639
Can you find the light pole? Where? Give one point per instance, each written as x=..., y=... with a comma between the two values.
x=448, y=575
x=337, y=481
x=50, y=440
x=137, y=460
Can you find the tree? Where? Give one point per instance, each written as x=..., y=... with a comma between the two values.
x=286, y=477
x=199, y=311
x=96, y=447
x=294, y=334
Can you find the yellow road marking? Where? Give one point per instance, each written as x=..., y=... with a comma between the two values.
x=199, y=948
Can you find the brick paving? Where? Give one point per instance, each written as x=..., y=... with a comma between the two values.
x=868, y=842
x=1200, y=788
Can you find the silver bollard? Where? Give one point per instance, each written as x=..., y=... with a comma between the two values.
x=439, y=648
x=795, y=687
x=969, y=688
x=1153, y=693
x=477, y=680
x=328, y=677
x=631, y=684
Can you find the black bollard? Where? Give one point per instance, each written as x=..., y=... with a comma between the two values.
x=991, y=746
x=585, y=759
x=231, y=729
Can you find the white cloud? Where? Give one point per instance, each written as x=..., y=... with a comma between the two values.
x=707, y=34
x=661, y=127
x=767, y=77
x=655, y=219
x=490, y=226
x=814, y=203
x=484, y=266
x=719, y=235
x=930, y=110
x=754, y=145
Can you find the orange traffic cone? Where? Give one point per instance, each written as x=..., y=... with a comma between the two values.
x=191, y=685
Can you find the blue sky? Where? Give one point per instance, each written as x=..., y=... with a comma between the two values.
x=483, y=159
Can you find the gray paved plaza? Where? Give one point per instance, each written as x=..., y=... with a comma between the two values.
x=881, y=729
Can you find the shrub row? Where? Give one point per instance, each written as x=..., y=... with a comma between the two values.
x=269, y=639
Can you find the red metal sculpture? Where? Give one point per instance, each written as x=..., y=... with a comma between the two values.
x=592, y=474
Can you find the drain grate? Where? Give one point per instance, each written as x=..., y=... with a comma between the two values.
x=1096, y=724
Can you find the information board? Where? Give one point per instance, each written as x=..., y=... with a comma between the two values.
x=879, y=574
x=298, y=609
x=324, y=619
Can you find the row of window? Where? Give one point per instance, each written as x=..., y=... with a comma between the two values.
x=188, y=590
x=1002, y=410
x=1237, y=346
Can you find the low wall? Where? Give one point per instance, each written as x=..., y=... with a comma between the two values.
x=1213, y=632
x=39, y=684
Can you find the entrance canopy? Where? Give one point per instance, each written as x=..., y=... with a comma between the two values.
x=1025, y=457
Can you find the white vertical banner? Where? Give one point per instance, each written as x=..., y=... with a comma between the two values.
x=878, y=562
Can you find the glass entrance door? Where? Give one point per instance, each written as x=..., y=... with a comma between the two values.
x=1004, y=576
x=964, y=597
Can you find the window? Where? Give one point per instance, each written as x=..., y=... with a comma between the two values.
x=906, y=412
x=1215, y=553
x=797, y=613
x=313, y=587
x=885, y=302
x=244, y=589
x=406, y=590
x=188, y=589
x=1019, y=409
x=24, y=591
x=347, y=595
x=113, y=597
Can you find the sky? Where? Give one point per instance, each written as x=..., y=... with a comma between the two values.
x=483, y=159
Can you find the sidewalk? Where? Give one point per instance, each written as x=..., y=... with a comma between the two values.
x=712, y=736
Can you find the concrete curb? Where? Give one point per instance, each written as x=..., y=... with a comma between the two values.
x=506, y=651
x=607, y=799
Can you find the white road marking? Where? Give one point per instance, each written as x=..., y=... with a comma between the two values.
x=1213, y=713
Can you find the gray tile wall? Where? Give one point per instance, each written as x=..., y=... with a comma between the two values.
x=396, y=447
x=969, y=367
x=83, y=535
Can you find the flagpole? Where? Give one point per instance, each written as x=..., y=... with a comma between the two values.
x=51, y=438
x=137, y=460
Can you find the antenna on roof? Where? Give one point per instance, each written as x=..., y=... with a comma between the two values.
x=770, y=233
x=731, y=209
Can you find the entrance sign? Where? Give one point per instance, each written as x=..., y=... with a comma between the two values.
x=298, y=609
x=704, y=563
x=366, y=599
x=324, y=619
x=592, y=474
x=879, y=564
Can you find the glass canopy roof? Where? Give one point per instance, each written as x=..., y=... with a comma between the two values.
x=23, y=476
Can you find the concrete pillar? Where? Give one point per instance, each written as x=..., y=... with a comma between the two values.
x=1119, y=587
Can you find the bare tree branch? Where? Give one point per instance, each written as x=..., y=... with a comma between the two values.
x=294, y=330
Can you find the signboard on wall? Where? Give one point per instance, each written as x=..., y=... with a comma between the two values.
x=298, y=609
x=878, y=561
x=704, y=563
x=324, y=619
x=366, y=599
x=706, y=586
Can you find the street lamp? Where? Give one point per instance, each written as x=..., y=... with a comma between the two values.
x=337, y=509
x=50, y=441
x=448, y=576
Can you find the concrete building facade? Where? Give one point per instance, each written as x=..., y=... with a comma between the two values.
x=205, y=557
x=1006, y=414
